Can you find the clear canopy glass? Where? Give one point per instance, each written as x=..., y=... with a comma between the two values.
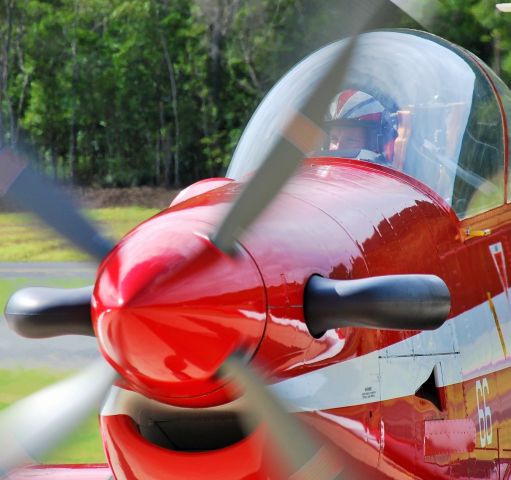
x=447, y=129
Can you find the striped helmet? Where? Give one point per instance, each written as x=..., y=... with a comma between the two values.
x=354, y=108
x=355, y=105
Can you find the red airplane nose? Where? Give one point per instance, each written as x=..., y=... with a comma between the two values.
x=169, y=307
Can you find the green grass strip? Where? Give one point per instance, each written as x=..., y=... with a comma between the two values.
x=24, y=239
x=84, y=445
x=9, y=285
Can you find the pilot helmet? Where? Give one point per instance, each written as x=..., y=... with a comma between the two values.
x=358, y=122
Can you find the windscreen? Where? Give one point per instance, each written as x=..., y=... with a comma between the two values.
x=410, y=101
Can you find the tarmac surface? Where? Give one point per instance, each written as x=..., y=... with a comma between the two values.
x=38, y=270
x=65, y=353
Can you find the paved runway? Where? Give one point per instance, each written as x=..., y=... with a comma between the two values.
x=65, y=353
x=48, y=270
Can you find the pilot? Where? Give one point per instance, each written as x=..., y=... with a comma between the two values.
x=359, y=126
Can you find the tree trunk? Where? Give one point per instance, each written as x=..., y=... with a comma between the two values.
x=4, y=74
x=21, y=101
x=157, y=159
x=74, y=81
x=72, y=138
x=173, y=89
x=72, y=151
x=54, y=165
x=165, y=146
x=217, y=38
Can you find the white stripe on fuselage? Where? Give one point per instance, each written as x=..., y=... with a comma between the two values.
x=465, y=347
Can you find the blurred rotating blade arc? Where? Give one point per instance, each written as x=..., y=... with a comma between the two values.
x=25, y=188
x=308, y=459
x=287, y=152
x=36, y=424
x=422, y=11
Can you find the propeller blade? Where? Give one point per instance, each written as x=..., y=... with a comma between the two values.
x=394, y=302
x=27, y=189
x=43, y=312
x=299, y=135
x=36, y=424
x=423, y=12
x=308, y=459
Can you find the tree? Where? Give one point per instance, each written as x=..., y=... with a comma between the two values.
x=127, y=92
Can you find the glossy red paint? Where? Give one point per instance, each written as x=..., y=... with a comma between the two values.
x=198, y=188
x=443, y=437
x=132, y=457
x=345, y=220
x=392, y=225
x=169, y=307
x=356, y=430
x=149, y=276
x=159, y=266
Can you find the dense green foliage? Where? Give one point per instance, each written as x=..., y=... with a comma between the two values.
x=129, y=92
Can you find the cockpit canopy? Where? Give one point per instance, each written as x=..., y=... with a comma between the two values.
x=441, y=104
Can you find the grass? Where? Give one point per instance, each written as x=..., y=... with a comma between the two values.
x=9, y=285
x=24, y=239
x=84, y=446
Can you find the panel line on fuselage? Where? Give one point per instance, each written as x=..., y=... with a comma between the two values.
x=466, y=347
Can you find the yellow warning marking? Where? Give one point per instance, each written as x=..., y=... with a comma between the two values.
x=469, y=233
x=497, y=323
